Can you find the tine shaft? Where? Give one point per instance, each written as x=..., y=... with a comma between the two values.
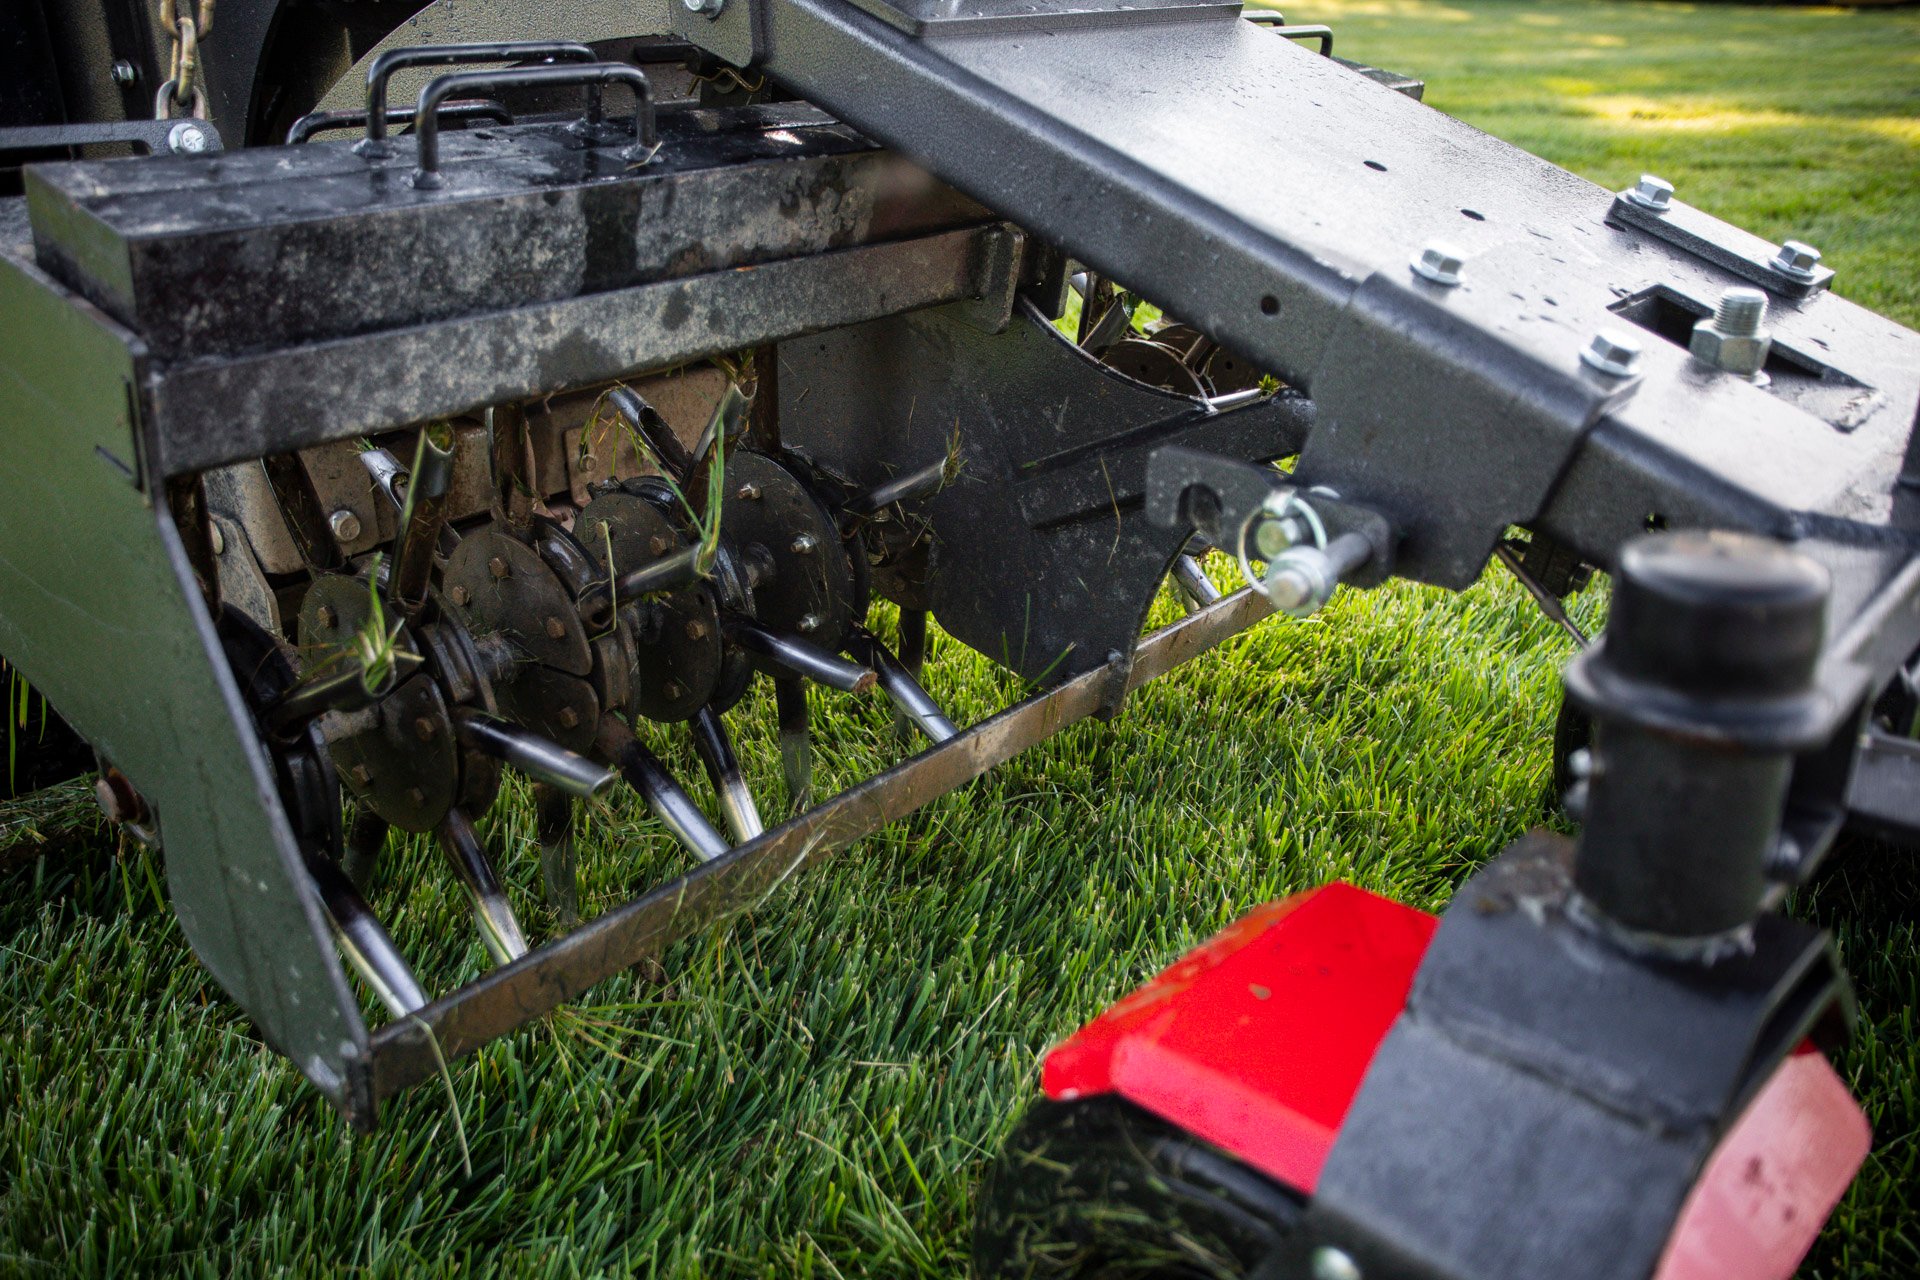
x=653, y=432
x=796, y=739
x=915, y=486
x=913, y=640
x=723, y=767
x=364, y=940
x=898, y=684
x=426, y=512
x=365, y=839
x=388, y=475
x=796, y=657
x=1190, y=580
x=728, y=420
x=474, y=869
x=553, y=822
x=537, y=757
x=344, y=690
x=668, y=800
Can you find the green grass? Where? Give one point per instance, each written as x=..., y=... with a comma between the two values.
x=813, y=1091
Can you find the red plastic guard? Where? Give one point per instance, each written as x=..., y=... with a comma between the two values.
x=1257, y=1041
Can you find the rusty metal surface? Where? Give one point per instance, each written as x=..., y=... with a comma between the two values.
x=513, y=995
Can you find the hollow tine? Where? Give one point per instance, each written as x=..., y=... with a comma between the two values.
x=346, y=689
x=728, y=420
x=796, y=657
x=537, y=757
x=915, y=486
x=669, y=573
x=426, y=515
x=909, y=699
x=360, y=860
x=666, y=797
x=364, y=940
x=499, y=930
x=796, y=739
x=723, y=767
x=553, y=823
x=389, y=476
x=653, y=432
x=1190, y=580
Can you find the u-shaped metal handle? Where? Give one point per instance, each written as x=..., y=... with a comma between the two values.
x=426, y=125
x=375, y=145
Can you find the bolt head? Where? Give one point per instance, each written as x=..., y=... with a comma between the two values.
x=1797, y=260
x=498, y=568
x=1738, y=353
x=188, y=138
x=423, y=728
x=1330, y=1263
x=1440, y=263
x=748, y=493
x=217, y=539
x=706, y=8
x=1651, y=193
x=460, y=596
x=658, y=544
x=568, y=717
x=696, y=629
x=326, y=617
x=672, y=690
x=345, y=525
x=556, y=629
x=804, y=545
x=124, y=72
x=362, y=775
x=1271, y=536
x=1613, y=353
x=811, y=623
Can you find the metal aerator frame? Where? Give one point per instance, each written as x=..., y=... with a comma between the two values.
x=1467, y=339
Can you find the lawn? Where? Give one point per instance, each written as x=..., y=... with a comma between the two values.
x=813, y=1091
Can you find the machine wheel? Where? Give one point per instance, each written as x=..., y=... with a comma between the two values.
x=1098, y=1189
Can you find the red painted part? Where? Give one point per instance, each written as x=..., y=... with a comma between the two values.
x=1774, y=1178
x=1257, y=1041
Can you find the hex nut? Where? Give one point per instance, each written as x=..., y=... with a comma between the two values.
x=1440, y=263
x=345, y=525
x=1737, y=353
x=706, y=8
x=1796, y=260
x=188, y=138
x=1613, y=353
x=1651, y=193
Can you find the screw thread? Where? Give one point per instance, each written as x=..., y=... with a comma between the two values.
x=1741, y=312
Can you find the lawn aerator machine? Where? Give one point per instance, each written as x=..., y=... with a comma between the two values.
x=459, y=388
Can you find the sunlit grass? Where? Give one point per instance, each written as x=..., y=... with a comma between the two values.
x=812, y=1092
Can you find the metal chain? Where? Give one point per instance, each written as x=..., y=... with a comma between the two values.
x=183, y=77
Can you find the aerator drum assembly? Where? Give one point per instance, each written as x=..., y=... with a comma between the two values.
x=627, y=364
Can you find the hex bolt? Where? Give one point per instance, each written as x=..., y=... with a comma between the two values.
x=748, y=493
x=423, y=728
x=362, y=775
x=709, y=9
x=1734, y=339
x=1613, y=353
x=803, y=545
x=1796, y=260
x=1651, y=193
x=124, y=72
x=188, y=138
x=658, y=544
x=1440, y=263
x=1330, y=1263
x=326, y=617
x=345, y=525
x=810, y=623
x=498, y=568
x=696, y=629
x=568, y=718
x=460, y=596
x=556, y=629
x=672, y=691
x=416, y=795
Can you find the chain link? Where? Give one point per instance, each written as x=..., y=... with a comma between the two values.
x=183, y=85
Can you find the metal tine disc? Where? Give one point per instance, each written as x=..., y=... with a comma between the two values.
x=796, y=739
x=898, y=684
x=539, y=758
x=499, y=930
x=553, y=821
x=723, y=767
x=1190, y=580
x=796, y=657
x=666, y=797
x=364, y=940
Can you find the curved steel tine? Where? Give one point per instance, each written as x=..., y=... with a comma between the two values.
x=796, y=739
x=360, y=860
x=653, y=432
x=537, y=757
x=898, y=684
x=723, y=767
x=553, y=822
x=499, y=930
x=796, y=657
x=391, y=479
x=363, y=940
x=666, y=797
